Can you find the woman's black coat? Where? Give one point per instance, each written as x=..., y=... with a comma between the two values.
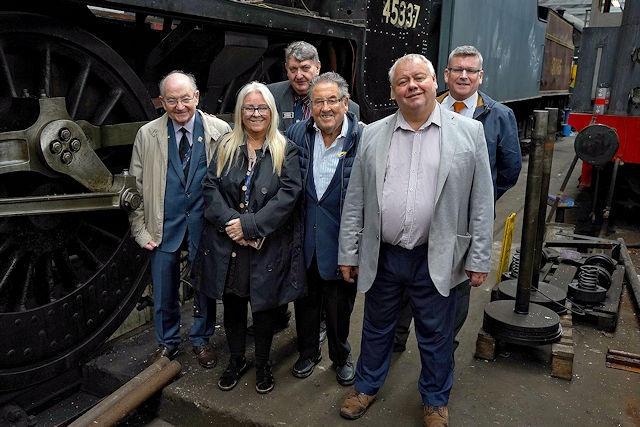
x=277, y=269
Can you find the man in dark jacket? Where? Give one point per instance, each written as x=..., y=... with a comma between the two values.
x=464, y=75
x=302, y=64
x=327, y=145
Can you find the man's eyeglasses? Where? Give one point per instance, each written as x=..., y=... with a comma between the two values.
x=184, y=101
x=262, y=110
x=460, y=70
x=331, y=102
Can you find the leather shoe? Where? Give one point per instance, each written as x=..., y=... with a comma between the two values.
x=205, y=355
x=355, y=404
x=436, y=416
x=162, y=351
x=346, y=374
x=304, y=367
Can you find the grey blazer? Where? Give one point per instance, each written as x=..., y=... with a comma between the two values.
x=283, y=94
x=461, y=232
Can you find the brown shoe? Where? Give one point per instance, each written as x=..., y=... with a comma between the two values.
x=436, y=416
x=205, y=355
x=162, y=351
x=355, y=404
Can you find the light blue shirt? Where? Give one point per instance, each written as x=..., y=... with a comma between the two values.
x=325, y=159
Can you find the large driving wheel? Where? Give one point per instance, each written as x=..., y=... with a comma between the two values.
x=67, y=280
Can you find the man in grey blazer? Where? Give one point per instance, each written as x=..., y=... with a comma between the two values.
x=418, y=214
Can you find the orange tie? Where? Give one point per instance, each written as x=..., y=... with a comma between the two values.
x=458, y=106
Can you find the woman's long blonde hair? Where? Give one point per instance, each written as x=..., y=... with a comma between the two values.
x=275, y=141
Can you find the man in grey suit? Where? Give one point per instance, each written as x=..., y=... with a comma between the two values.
x=302, y=63
x=420, y=206
x=169, y=160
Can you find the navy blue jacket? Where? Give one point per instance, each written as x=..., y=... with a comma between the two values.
x=322, y=217
x=503, y=143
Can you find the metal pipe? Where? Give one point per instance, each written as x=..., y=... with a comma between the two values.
x=531, y=211
x=604, y=230
x=547, y=162
x=633, y=280
x=135, y=397
x=106, y=403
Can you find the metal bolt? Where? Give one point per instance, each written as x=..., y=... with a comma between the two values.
x=64, y=134
x=55, y=146
x=75, y=144
x=66, y=157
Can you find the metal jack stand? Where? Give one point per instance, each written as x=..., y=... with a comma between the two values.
x=518, y=320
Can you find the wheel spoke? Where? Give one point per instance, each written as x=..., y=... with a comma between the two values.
x=7, y=73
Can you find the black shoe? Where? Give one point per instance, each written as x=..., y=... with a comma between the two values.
x=264, y=379
x=304, y=367
x=399, y=347
x=229, y=379
x=346, y=374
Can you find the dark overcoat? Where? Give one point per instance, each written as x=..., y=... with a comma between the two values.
x=277, y=273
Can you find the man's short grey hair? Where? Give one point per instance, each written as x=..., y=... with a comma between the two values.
x=301, y=51
x=190, y=76
x=410, y=57
x=331, y=77
x=466, y=51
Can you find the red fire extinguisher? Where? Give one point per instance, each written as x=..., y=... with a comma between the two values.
x=603, y=93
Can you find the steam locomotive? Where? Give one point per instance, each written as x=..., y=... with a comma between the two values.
x=79, y=77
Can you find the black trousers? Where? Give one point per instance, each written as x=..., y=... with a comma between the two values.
x=337, y=297
x=235, y=325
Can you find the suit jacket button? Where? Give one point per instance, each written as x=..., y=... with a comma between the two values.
x=241, y=205
x=233, y=254
x=188, y=213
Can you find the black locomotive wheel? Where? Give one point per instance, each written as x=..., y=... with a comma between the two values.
x=67, y=280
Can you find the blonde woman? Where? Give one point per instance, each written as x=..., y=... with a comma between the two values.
x=250, y=251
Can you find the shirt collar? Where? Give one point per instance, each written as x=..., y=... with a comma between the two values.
x=188, y=126
x=471, y=102
x=434, y=118
x=343, y=130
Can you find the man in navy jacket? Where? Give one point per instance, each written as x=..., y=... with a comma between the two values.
x=327, y=145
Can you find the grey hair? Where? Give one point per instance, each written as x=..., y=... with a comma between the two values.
x=301, y=51
x=466, y=51
x=331, y=77
x=191, y=77
x=410, y=57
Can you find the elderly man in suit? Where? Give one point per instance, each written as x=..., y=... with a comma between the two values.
x=169, y=161
x=418, y=214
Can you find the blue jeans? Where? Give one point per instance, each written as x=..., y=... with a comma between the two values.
x=398, y=269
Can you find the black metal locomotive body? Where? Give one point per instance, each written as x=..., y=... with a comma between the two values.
x=78, y=78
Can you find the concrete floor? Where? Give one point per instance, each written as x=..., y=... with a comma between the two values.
x=514, y=389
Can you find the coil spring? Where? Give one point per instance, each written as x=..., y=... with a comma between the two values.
x=514, y=267
x=588, y=277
